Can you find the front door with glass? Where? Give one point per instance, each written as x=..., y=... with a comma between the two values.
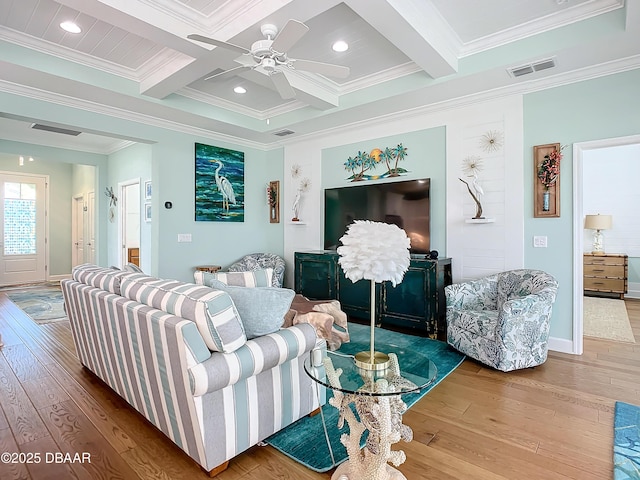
x=22, y=224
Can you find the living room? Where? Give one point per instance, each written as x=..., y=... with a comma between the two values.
x=584, y=108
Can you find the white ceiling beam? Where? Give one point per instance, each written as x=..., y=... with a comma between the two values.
x=308, y=90
x=416, y=28
x=311, y=92
x=165, y=82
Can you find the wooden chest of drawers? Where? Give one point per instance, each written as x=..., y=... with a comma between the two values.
x=605, y=274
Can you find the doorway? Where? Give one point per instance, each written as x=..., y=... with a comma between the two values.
x=23, y=229
x=78, y=230
x=129, y=227
x=83, y=229
x=580, y=153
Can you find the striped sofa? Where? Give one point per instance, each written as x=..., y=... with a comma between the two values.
x=177, y=353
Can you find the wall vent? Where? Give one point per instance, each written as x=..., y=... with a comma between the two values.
x=284, y=133
x=521, y=70
x=49, y=128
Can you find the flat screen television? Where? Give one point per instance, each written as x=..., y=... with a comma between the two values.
x=404, y=203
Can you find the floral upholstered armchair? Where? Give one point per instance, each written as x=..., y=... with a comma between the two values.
x=257, y=261
x=502, y=320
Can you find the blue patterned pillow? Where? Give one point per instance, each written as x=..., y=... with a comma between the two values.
x=262, y=309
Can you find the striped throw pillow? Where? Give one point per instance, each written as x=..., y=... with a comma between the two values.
x=100, y=277
x=254, y=278
x=213, y=311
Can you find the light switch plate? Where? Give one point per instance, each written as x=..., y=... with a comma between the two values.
x=540, y=241
x=184, y=237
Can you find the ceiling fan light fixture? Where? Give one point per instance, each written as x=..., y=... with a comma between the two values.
x=340, y=46
x=71, y=27
x=240, y=89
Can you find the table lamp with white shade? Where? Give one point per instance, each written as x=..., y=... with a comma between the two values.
x=378, y=252
x=597, y=223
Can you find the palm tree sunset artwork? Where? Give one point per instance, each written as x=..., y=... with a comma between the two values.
x=362, y=164
x=219, y=184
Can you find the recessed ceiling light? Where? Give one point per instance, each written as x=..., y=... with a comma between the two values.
x=70, y=27
x=340, y=46
x=240, y=89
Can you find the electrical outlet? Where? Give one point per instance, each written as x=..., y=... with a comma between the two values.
x=540, y=241
x=184, y=237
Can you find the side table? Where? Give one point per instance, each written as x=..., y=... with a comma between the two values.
x=377, y=399
x=208, y=268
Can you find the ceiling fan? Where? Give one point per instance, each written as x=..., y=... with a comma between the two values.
x=269, y=56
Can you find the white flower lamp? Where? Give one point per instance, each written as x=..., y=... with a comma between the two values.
x=598, y=223
x=378, y=252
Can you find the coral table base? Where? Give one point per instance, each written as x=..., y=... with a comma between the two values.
x=380, y=413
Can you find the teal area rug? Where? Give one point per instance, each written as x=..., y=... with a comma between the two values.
x=626, y=442
x=304, y=441
x=44, y=304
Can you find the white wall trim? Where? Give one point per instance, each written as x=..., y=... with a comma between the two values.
x=633, y=290
x=561, y=345
x=578, y=237
x=59, y=278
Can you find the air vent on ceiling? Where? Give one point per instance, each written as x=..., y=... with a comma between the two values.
x=49, y=128
x=284, y=133
x=531, y=67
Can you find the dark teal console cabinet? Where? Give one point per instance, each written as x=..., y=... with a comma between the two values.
x=418, y=303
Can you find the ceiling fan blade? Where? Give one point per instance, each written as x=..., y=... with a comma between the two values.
x=283, y=86
x=328, y=69
x=289, y=35
x=245, y=60
x=226, y=73
x=217, y=43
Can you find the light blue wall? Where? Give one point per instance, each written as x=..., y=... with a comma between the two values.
x=426, y=158
x=602, y=108
x=217, y=243
x=59, y=164
x=130, y=163
x=84, y=179
x=172, y=174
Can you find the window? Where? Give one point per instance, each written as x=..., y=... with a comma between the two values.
x=19, y=218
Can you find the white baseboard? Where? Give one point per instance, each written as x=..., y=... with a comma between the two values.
x=633, y=290
x=58, y=278
x=561, y=345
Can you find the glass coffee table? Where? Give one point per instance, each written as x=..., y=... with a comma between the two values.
x=377, y=397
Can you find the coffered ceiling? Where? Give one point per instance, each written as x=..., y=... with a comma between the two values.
x=133, y=59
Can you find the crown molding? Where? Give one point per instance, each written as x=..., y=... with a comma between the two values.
x=214, y=101
x=567, y=16
x=377, y=78
x=63, y=100
x=588, y=73
x=579, y=75
x=206, y=23
x=68, y=54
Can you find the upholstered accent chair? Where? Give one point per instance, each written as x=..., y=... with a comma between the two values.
x=502, y=320
x=257, y=261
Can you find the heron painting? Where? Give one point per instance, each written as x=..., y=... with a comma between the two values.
x=219, y=184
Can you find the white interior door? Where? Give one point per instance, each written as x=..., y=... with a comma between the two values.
x=77, y=230
x=23, y=228
x=90, y=221
x=129, y=202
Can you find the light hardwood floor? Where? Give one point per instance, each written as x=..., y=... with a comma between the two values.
x=550, y=422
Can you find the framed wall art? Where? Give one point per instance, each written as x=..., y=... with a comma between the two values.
x=273, y=198
x=147, y=212
x=219, y=184
x=546, y=180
